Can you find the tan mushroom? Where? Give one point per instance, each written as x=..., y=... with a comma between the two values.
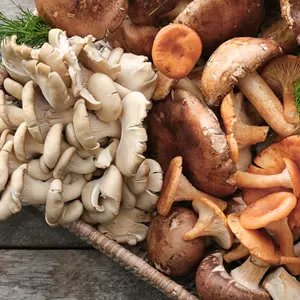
x=137, y=74
x=50, y=83
x=4, y=163
x=107, y=155
x=134, y=136
x=89, y=130
x=102, y=197
x=281, y=285
x=127, y=227
x=13, y=88
x=176, y=187
x=245, y=55
x=39, y=115
x=240, y=133
x=111, y=106
x=211, y=222
x=3, y=75
x=6, y=136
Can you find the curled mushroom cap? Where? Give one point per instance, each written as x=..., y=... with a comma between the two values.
x=176, y=50
x=84, y=18
x=294, y=217
x=271, y=212
x=214, y=283
x=127, y=227
x=102, y=197
x=239, y=132
x=176, y=187
x=290, y=10
x=13, y=88
x=137, y=39
x=166, y=248
x=281, y=74
x=216, y=22
x=3, y=75
x=89, y=130
x=134, y=136
x=211, y=222
x=39, y=115
x=107, y=155
x=147, y=12
x=281, y=285
x=185, y=126
x=4, y=161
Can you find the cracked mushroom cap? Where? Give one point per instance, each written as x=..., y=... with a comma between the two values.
x=243, y=56
x=290, y=11
x=211, y=222
x=166, y=248
x=281, y=75
x=83, y=17
x=214, y=283
x=190, y=129
x=148, y=12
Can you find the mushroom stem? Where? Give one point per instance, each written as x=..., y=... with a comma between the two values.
x=289, y=108
x=266, y=103
x=239, y=252
x=250, y=273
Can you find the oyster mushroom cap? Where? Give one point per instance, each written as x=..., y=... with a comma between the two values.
x=127, y=227
x=134, y=136
x=281, y=285
x=166, y=248
x=4, y=159
x=85, y=18
x=214, y=283
x=243, y=56
x=102, y=197
x=191, y=129
x=13, y=88
x=218, y=21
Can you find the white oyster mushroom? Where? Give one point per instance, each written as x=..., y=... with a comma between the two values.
x=102, y=197
x=51, y=84
x=127, y=227
x=107, y=155
x=104, y=91
x=12, y=62
x=137, y=74
x=134, y=136
x=102, y=60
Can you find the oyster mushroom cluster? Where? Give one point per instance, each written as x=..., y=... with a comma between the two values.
x=73, y=136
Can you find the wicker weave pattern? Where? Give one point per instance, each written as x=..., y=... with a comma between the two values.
x=128, y=260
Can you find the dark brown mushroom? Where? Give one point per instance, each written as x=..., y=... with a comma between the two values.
x=147, y=12
x=83, y=17
x=166, y=248
x=137, y=39
x=190, y=129
x=218, y=21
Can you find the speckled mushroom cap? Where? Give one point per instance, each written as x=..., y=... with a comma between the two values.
x=243, y=55
x=191, y=130
x=83, y=17
x=290, y=10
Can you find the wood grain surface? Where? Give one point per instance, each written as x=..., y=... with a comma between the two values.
x=36, y=262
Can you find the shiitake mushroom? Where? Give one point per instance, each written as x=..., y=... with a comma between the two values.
x=167, y=250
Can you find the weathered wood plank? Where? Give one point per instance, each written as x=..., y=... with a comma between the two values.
x=28, y=229
x=9, y=9
x=68, y=275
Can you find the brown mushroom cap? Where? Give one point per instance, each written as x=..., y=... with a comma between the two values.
x=83, y=17
x=199, y=139
x=290, y=10
x=147, y=12
x=214, y=283
x=243, y=55
x=166, y=248
x=218, y=21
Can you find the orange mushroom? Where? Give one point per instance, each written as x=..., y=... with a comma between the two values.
x=288, y=178
x=271, y=212
x=237, y=253
x=176, y=187
x=176, y=50
x=294, y=217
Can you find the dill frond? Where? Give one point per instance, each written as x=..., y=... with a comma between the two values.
x=297, y=96
x=30, y=29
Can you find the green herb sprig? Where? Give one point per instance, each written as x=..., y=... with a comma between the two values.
x=157, y=8
x=297, y=96
x=30, y=29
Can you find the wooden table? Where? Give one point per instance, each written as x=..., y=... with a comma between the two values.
x=42, y=263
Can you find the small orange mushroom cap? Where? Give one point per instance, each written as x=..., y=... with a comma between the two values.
x=176, y=50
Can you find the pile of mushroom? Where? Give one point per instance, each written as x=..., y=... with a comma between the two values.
x=223, y=127
x=73, y=136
